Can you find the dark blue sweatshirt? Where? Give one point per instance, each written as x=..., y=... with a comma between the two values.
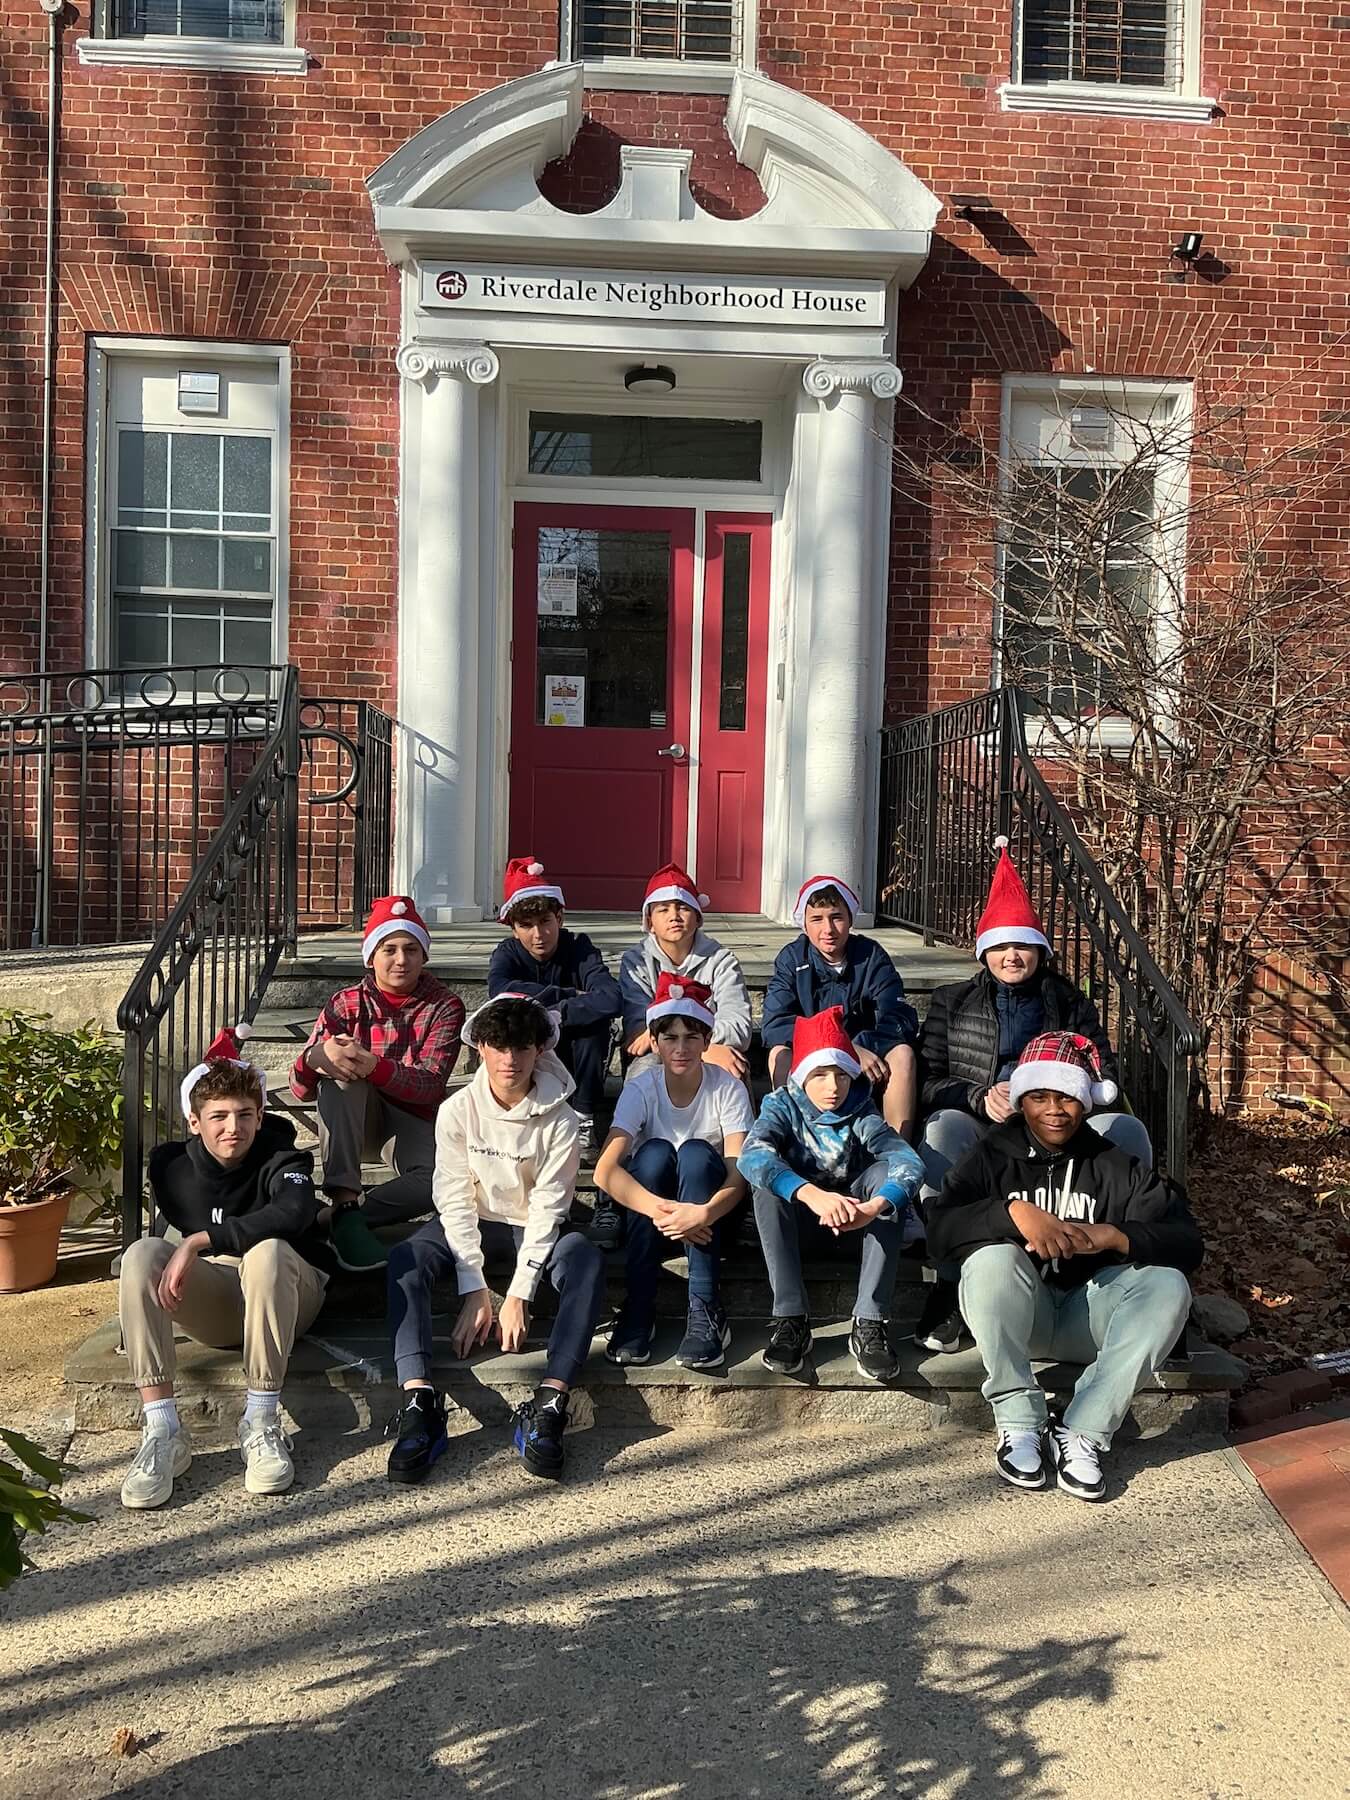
x=574, y=981
x=876, y=1014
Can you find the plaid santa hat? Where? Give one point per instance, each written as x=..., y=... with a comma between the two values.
x=391, y=913
x=223, y=1048
x=1066, y=1062
x=1008, y=916
x=812, y=886
x=675, y=994
x=524, y=880
x=820, y=1042
x=469, y=1032
x=673, y=883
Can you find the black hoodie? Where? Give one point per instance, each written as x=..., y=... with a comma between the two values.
x=270, y=1194
x=1088, y=1180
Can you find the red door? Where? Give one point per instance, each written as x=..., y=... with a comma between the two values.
x=600, y=695
x=733, y=679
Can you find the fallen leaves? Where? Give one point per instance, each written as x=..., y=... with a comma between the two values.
x=125, y=1742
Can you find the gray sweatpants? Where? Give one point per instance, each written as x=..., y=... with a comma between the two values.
x=357, y=1124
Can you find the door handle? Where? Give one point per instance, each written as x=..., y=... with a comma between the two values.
x=676, y=752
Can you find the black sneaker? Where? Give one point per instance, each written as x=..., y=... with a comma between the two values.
x=629, y=1342
x=1077, y=1462
x=606, y=1230
x=872, y=1351
x=538, y=1435
x=789, y=1344
x=706, y=1337
x=940, y=1325
x=1021, y=1458
x=420, y=1429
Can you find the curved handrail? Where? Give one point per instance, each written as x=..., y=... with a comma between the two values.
x=1188, y=1035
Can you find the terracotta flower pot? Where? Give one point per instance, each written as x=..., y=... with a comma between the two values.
x=29, y=1236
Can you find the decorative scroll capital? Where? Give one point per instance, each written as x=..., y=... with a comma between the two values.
x=427, y=363
x=822, y=380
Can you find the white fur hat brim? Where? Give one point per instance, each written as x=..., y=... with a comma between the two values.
x=1011, y=934
x=542, y=892
x=812, y=888
x=1062, y=1078
x=387, y=929
x=469, y=1033
x=683, y=1008
x=826, y=1059
x=699, y=902
x=193, y=1076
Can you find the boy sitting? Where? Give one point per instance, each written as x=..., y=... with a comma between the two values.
x=822, y=1160
x=832, y=965
x=506, y=1164
x=1070, y=1250
x=670, y=1160
x=246, y=1271
x=378, y=1059
x=565, y=972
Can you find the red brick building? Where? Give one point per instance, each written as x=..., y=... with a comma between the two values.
x=533, y=372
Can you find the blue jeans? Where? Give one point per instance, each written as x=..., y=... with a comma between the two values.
x=690, y=1175
x=787, y=1229
x=1121, y=1323
x=575, y=1268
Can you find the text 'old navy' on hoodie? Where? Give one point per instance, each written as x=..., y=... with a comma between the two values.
x=516, y=1165
x=1088, y=1180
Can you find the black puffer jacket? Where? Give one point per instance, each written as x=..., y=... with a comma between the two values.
x=958, y=1042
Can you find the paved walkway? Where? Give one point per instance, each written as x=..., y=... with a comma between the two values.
x=1303, y=1466
x=692, y=1616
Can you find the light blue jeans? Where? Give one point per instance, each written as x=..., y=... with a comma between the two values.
x=1121, y=1323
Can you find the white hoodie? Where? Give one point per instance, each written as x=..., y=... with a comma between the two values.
x=517, y=1165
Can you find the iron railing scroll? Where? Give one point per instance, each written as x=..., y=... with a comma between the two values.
x=951, y=782
x=217, y=950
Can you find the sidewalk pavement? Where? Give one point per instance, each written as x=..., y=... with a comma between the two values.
x=691, y=1616
x=1303, y=1466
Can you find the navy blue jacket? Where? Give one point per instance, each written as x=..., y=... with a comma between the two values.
x=876, y=1014
x=574, y=981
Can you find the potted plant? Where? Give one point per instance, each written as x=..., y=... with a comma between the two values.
x=26, y=1502
x=60, y=1126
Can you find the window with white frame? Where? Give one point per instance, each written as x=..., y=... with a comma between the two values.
x=1134, y=58
x=659, y=43
x=246, y=21
x=192, y=510
x=1092, y=518
x=252, y=36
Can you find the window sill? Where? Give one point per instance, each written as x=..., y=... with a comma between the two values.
x=192, y=53
x=652, y=75
x=1107, y=102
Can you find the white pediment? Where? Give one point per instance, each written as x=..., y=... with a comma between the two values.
x=834, y=196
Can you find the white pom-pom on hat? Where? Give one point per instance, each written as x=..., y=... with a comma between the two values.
x=399, y=908
x=675, y=992
x=535, y=869
x=1000, y=843
x=703, y=900
x=243, y=1031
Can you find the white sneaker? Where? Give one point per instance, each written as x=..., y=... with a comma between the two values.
x=1020, y=1458
x=1078, y=1463
x=266, y=1451
x=161, y=1459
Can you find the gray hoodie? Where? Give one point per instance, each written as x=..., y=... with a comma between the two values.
x=709, y=962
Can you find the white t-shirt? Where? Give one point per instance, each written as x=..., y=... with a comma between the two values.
x=720, y=1109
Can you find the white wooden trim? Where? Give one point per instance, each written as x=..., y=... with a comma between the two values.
x=1110, y=102
x=191, y=53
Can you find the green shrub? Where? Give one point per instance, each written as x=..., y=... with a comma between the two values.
x=60, y=1108
x=26, y=1507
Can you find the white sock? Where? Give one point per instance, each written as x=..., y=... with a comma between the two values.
x=161, y=1416
x=261, y=1408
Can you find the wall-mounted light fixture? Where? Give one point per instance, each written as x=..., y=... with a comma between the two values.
x=1187, y=247
x=649, y=378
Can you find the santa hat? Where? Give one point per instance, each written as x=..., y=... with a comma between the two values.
x=673, y=883
x=674, y=994
x=820, y=1042
x=223, y=1048
x=1066, y=1062
x=394, y=912
x=1008, y=916
x=469, y=1032
x=813, y=885
x=524, y=881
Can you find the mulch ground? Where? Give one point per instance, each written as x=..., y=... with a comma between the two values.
x=1272, y=1195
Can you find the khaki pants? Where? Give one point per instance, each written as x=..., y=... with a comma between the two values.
x=357, y=1124
x=260, y=1300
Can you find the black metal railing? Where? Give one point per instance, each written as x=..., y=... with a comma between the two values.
x=953, y=781
x=346, y=809
x=213, y=957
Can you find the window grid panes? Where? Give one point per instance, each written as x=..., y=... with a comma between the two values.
x=193, y=548
x=630, y=446
x=242, y=21
x=670, y=30
x=1078, y=581
x=1117, y=43
x=735, y=632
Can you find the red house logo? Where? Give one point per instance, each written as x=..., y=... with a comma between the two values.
x=451, y=285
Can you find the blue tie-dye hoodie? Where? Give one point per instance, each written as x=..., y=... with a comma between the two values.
x=793, y=1142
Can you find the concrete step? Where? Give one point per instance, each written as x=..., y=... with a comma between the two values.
x=340, y=1380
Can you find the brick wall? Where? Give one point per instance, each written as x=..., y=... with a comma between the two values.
x=233, y=207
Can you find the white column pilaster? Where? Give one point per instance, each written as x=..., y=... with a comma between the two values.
x=438, y=650
x=846, y=637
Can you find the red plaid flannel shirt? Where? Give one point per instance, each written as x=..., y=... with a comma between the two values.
x=417, y=1043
